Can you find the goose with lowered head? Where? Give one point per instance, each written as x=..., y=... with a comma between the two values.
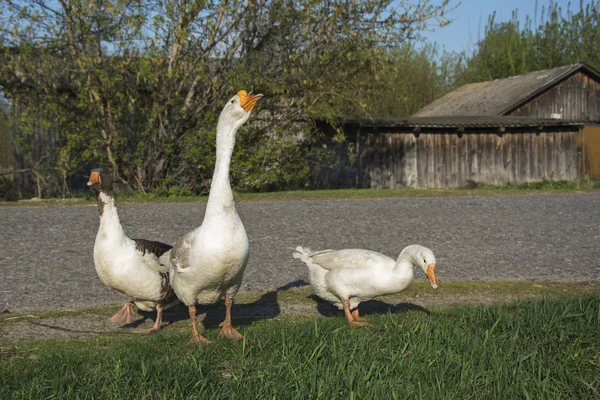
x=350, y=276
x=207, y=264
x=137, y=268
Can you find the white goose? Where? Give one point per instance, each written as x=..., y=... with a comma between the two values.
x=208, y=263
x=350, y=276
x=137, y=268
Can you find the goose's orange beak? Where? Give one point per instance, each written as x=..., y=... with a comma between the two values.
x=430, y=272
x=94, y=178
x=248, y=101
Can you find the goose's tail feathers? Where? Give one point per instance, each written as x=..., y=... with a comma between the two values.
x=303, y=253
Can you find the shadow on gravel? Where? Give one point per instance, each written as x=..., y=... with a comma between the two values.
x=242, y=314
x=367, y=307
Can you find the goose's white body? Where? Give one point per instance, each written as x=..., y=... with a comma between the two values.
x=123, y=265
x=208, y=263
x=359, y=275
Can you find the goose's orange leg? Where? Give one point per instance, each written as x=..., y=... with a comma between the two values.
x=226, y=327
x=356, y=316
x=124, y=314
x=349, y=316
x=196, y=336
x=159, y=312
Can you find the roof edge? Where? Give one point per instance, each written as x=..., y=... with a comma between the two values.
x=581, y=66
x=455, y=122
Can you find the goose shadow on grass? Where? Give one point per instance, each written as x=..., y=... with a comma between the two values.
x=267, y=307
x=370, y=307
x=242, y=314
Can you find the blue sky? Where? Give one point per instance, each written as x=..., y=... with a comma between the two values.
x=470, y=19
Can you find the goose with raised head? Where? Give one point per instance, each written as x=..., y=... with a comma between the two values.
x=350, y=276
x=207, y=264
x=137, y=268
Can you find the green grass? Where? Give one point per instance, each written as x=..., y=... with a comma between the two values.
x=581, y=185
x=542, y=349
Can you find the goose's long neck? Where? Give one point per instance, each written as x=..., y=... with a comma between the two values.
x=404, y=262
x=107, y=208
x=220, y=189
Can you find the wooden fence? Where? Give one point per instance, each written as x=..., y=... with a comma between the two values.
x=452, y=159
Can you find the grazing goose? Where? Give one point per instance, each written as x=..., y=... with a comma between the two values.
x=351, y=276
x=208, y=263
x=137, y=268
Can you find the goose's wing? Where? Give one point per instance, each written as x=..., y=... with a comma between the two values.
x=347, y=258
x=181, y=250
x=155, y=253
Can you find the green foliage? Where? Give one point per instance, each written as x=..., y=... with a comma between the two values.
x=138, y=86
x=6, y=156
x=557, y=37
x=544, y=349
x=406, y=79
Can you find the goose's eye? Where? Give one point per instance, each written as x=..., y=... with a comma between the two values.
x=424, y=261
x=232, y=101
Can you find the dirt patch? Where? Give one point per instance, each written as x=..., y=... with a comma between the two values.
x=252, y=307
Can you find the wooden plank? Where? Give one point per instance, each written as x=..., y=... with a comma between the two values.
x=551, y=156
x=571, y=156
x=357, y=148
x=454, y=160
x=463, y=153
x=389, y=149
x=535, y=148
x=531, y=158
x=377, y=175
x=543, y=156
x=487, y=160
x=411, y=176
x=507, y=143
x=501, y=173
x=477, y=155
x=445, y=151
x=361, y=165
x=421, y=162
x=495, y=174
x=562, y=150
x=441, y=155
x=580, y=159
x=524, y=159
x=396, y=167
x=430, y=161
x=400, y=160
x=382, y=158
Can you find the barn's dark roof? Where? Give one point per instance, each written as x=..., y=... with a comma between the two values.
x=463, y=121
x=500, y=96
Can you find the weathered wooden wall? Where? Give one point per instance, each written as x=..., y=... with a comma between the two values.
x=577, y=97
x=450, y=160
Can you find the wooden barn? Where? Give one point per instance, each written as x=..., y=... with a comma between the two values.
x=538, y=126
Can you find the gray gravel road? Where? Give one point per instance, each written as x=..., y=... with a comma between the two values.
x=46, y=252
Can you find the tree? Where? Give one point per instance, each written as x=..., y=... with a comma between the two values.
x=560, y=38
x=408, y=78
x=138, y=84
